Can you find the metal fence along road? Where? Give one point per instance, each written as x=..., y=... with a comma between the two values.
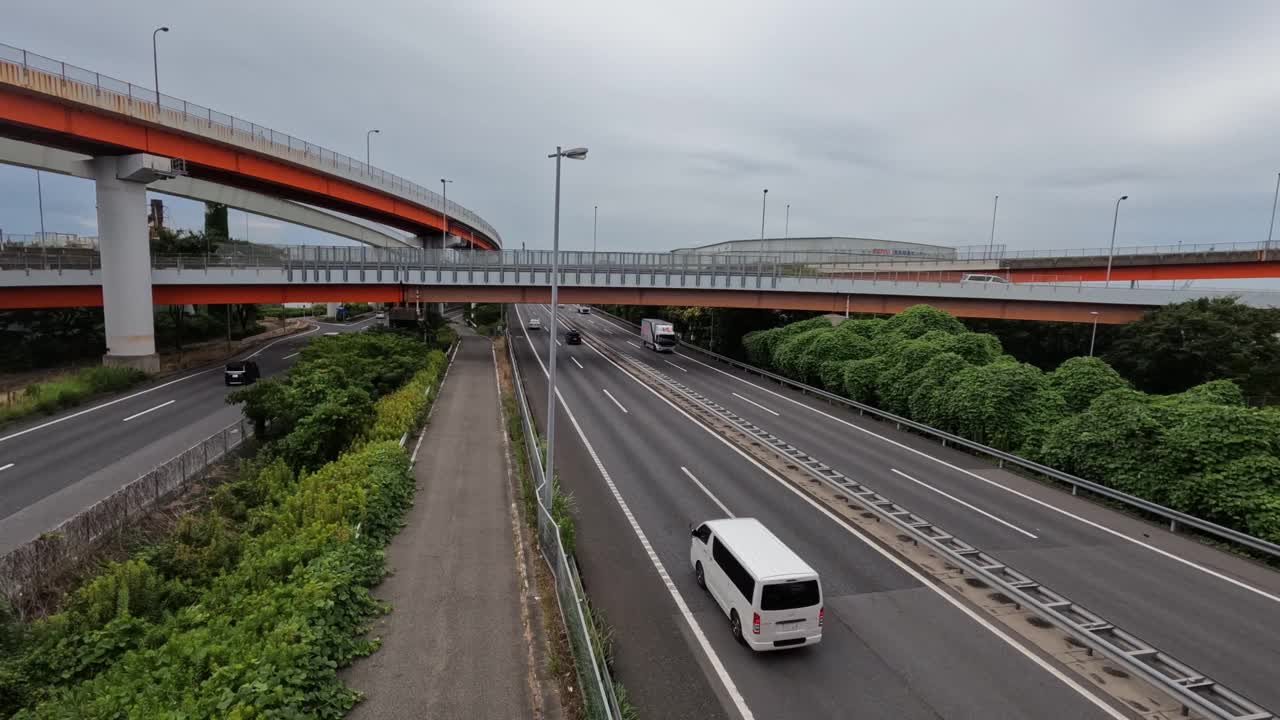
x=26, y=566
x=593, y=676
x=37, y=69
x=1176, y=519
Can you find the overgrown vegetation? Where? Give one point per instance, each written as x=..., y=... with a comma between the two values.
x=487, y=318
x=1202, y=451
x=70, y=390
x=251, y=605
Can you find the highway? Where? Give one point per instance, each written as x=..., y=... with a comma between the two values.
x=57, y=465
x=894, y=645
x=1215, y=611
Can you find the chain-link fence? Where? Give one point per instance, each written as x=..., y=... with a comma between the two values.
x=24, y=568
x=588, y=655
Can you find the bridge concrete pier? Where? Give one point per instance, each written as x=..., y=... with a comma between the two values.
x=126, y=264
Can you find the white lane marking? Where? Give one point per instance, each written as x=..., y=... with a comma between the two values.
x=993, y=483
x=974, y=508
x=144, y=412
x=575, y=362
x=6, y=467
x=704, y=489
x=675, y=366
x=731, y=689
x=753, y=402
x=901, y=564
x=328, y=334
x=109, y=403
x=286, y=357
x=283, y=339
x=615, y=400
x=633, y=345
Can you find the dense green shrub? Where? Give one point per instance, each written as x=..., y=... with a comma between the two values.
x=1201, y=451
x=71, y=390
x=251, y=604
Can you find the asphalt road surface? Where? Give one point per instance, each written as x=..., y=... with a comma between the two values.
x=55, y=466
x=893, y=645
x=1217, y=612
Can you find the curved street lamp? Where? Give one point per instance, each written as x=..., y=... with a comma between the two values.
x=155, y=63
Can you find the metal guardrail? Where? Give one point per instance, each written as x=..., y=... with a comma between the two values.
x=1191, y=688
x=593, y=678
x=23, y=567
x=1176, y=518
x=108, y=86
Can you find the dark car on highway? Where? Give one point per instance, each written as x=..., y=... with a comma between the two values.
x=241, y=372
x=573, y=337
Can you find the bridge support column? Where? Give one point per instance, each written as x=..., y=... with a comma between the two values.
x=126, y=268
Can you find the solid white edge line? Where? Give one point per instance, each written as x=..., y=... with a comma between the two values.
x=575, y=362
x=614, y=399
x=753, y=402
x=972, y=507
x=730, y=687
x=993, y=483
x=144, y=412
x=675, y=366
x=709, y=494
x=109, y=403
x=286, y=357
x=6, y=467
x=926, y=582
x=283, y=339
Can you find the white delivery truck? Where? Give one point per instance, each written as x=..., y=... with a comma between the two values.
x=772, y=597
x=658, y=334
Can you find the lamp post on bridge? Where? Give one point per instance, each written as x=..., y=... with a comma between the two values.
x=444, y=192
x=578, y=153
x=1094, y=335
x=155, y=64
x=786, y=224
x=1111, y=253
x=991, y=245
x=368, y=149
x=764, y=202
x=1272, y=226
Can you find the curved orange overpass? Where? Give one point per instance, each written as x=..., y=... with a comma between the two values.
x=50, y=120
x=91, y=296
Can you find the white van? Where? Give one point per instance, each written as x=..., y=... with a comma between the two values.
x=772, y=597
x=984, y=279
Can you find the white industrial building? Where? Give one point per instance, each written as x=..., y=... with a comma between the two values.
x=825, y=249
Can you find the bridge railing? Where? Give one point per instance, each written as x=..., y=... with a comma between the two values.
x=43, y=74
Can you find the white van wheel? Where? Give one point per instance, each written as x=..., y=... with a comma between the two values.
x=697, y=572
x=735, y=626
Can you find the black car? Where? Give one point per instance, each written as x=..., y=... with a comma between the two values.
x=241, y=372
x=573, y=337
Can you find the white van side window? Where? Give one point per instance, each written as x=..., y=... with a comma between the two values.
x=733, y=569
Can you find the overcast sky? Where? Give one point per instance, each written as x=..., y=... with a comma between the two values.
x=897, y=120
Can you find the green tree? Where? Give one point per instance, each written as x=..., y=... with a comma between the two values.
x=927, y=403
x=895, y=385
x=215, y=222
x=1218, y=392
x=1178, y=346
x=920, y=319
x=1003, y=404
x=1244, y=494
x=1081, y=379
x=861, y=378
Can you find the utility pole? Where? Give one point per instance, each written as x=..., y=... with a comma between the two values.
x=764, y=202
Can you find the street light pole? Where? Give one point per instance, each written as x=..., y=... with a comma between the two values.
x=155, y=64
x=595, y=223
x=786, y=225
x=444, y=191
x=1111, y=253
x=764, y=202
x=991, y=247
x=549, y=473
x=368, y=149
x=1272, y=226
x=1094, y=335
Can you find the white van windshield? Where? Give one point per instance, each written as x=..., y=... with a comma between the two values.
x=789, y=596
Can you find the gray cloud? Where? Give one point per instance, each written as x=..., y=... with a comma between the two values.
x=897, y=120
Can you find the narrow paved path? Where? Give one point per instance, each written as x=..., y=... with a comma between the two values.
x=453, y=645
